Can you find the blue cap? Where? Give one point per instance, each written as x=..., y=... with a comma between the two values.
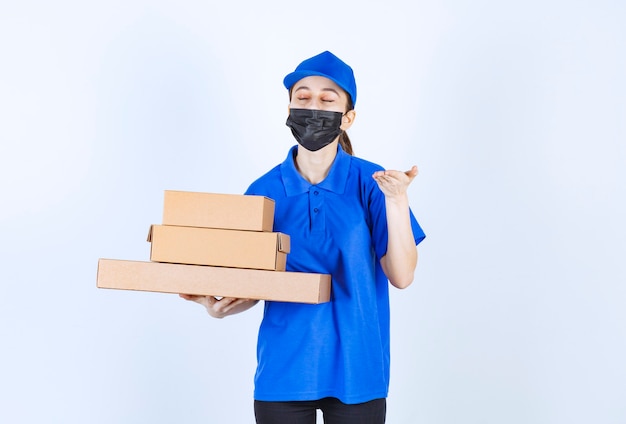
x=325, y=65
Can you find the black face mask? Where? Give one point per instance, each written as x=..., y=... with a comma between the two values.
x=314, y=128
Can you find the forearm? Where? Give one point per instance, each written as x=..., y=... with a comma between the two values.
x=241, y=307
x=400, y=261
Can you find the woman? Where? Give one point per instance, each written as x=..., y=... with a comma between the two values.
x=346, y=217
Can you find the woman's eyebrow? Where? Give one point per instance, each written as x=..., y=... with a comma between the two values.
x=304, y=87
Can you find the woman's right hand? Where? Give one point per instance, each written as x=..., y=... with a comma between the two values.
x=222, y=307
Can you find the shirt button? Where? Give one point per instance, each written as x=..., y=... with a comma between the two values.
x=316, y=192
x=316, y=210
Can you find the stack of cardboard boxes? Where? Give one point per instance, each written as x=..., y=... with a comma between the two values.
x=216, y=245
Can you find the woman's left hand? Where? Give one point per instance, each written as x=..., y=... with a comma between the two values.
x=395, y=183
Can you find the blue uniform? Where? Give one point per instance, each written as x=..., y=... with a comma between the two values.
x=338, y=227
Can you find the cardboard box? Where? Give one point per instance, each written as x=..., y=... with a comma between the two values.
x=217, y=247
x=214, y=281
x=212, y=210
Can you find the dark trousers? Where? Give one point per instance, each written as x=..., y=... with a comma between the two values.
x=334, y=411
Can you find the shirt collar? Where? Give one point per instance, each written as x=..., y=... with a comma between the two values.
x=335, y=181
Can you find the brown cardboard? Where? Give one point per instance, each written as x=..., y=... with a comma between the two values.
x=213, y=281
x=213, y=210
x=217, y=247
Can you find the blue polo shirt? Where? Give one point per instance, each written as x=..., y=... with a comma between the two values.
x=336, y=227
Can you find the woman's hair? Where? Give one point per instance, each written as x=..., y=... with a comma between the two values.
x=344, y=140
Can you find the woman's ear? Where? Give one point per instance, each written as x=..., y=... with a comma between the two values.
x=347, y=119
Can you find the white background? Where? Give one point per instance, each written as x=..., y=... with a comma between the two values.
x=515, y=113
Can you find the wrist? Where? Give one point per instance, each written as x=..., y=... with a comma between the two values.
x=397, y=199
